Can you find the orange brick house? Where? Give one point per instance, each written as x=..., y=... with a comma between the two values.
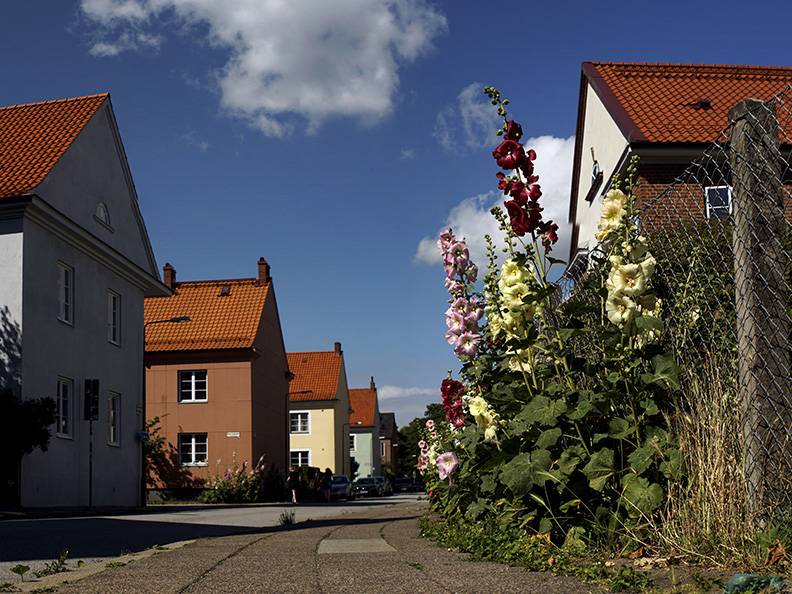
x=667, y=115
x=219, y=382
x=319, y=410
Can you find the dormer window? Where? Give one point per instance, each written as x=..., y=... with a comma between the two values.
x=102, y=215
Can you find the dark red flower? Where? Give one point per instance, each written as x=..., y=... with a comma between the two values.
x=531, y=154
x=503, y=183
x=509, y=154
x=519, y=192
x=513, y=131
x=535, y=192
x=451, y=387
x=550, y=235
x=518, y=218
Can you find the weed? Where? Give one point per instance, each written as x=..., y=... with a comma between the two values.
x=286, y=518
x=59, y=565
x=705, y=583
x=7, y=587
x=416, y=565
x=626, y=579
x=43, y=589
x=115, y=564
x=20, y=570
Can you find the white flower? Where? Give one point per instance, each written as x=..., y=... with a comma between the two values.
x=628, y=279
x=620, y=308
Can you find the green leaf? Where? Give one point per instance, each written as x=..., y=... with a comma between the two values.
x=548, y=438
x=649, y=323
x=541, y=410
x=650, y=407
x=476, y=508
x=641, y=496
x=521, y=473
x=599, y=468
x=641, y=459
x=569, y=459
x=665, y=372
x=672, y=466
x=488, y=483
x=619, y=428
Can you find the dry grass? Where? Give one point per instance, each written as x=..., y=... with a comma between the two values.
x=708, y=516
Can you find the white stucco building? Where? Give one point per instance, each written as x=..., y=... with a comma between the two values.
x=75, y=264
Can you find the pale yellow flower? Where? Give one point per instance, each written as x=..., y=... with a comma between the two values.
x=620, y=309
x=613, y=211
x=628, y=279
x=521, y=360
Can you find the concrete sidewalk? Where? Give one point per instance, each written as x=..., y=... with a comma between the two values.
x=369, y=551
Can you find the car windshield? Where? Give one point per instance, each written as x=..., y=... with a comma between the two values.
x=340, y=479
x=366, y=481
x=403, y=481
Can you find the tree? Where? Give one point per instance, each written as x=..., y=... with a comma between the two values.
x=410, y=435
x=25, y=424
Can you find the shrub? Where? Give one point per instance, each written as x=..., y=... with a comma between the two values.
x=237, y=484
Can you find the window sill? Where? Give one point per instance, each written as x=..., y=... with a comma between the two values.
x=113, y=445
x=67, y=322
x=193, y=401
x=65, y=436
x=196, y=465
x=300, y=432
x=115, y=344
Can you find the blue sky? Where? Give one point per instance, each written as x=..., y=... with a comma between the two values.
x=333, y=137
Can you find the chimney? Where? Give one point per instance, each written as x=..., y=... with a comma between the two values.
x=372, y=385
x=169, y=275
x=338, y=348
x=263, y=271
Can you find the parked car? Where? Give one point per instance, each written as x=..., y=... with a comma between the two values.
x=404, y=484
x=341, y=488
x=385, y=487
x=368, y=486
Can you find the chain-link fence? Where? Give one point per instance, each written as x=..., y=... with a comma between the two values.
x=722, y=235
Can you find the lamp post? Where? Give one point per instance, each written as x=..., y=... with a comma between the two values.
x=143, y=435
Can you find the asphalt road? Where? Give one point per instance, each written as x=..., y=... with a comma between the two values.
x=33, y=542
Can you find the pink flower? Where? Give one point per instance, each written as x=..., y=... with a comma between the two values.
x=447, y=463
x=467, y=344
x=423, y=445
x=430, y=425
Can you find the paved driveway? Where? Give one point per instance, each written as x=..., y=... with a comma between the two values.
x=35, y=541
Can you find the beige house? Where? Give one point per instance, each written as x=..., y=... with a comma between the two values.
x=319, y=411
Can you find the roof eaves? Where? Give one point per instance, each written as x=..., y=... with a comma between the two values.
x=611, y=102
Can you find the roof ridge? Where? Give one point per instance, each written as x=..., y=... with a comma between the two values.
x=220, y=281
x=311, y=353
x=688, y=65
x=51, y=101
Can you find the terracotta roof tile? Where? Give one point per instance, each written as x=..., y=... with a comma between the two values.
x=315, y=376
x=217, y=321
x=34, y=136
x=362, y=404
x=660, y=101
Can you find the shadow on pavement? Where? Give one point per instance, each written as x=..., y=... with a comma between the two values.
x=108, y=537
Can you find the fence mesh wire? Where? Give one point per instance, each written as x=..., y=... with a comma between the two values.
x=722, y=235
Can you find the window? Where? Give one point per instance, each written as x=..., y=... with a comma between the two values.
x=718, y=201
x=300, y=421
x=65, y=293
x=113, y=418
x=193, y=449
x=63, y=422
x=102, y=215
x=352, y=442
x=300, y=458
x=192, y=386
x=382, y=449
x=114, y=317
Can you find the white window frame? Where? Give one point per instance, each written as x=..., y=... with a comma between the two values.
x=67, y=407
x=66, y=293
x=193, y=441
x=193, y=399
x=708, y=208
x=113, y=317
x=382, y=448
x=114, y=419
x=305, y=451
x=353, y=442
x=308, y=422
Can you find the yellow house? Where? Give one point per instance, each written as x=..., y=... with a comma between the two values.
x=319, y=411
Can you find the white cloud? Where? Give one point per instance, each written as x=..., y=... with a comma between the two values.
x=406, y=402
x=471, y=218
x=192, y=139
x=126, y=41
x=471, y=121
x=389, y=392
x=406, y=154
x=289, y=62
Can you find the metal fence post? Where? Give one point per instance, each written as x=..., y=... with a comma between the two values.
x=761, y=298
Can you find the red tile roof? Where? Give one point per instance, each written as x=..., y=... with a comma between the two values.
x=660, y=102
x=316, y=376
x=217, y=321
x=34, y=136
x=362, y=404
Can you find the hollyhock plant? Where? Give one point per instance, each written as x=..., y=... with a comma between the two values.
x=451, y=391
x=447, y=463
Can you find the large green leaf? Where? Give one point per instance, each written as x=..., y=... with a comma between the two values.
x=641, y=496
x=641, y=459
x=522, y=472
x=665, y=372
x=541, y=410
x=599, y=468
x=548, y=438
x=619, y=428
x=672, y=466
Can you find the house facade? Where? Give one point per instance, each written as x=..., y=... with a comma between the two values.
x=667, y=115
x=319, y=411
x=75, y=265
x=389, y=442
x=218, y=382
x=364, y=430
